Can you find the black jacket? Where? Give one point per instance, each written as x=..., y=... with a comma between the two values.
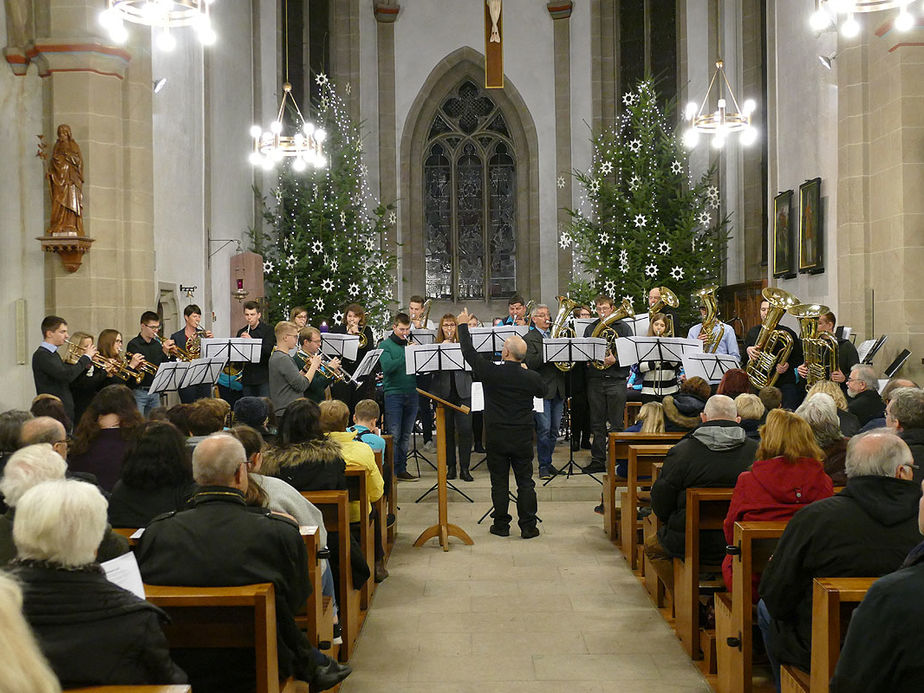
x=865, y=406
x=864, y=531
x=914, y=437
x=681, y=411
x=316, y=465
x=616, y=370
x=711, y=456
x=222, y=543
x=552, y=376
x=882, y=653
x=84, y=388
x=54, y=377
x=134, y=507
x=258, y=373
x=94, y=633
x=795, y=359
x=850, y=425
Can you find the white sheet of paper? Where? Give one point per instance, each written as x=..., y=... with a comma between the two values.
x=123, y=571
x=137, y=535
x=538, y=404
x=477, y=397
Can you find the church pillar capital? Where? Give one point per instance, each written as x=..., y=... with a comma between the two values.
x=386, y=12
x=560, y=9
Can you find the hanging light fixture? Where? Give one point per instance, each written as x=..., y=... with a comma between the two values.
x=304, y=146
x=841, y=14
x=162, y=16
x=721, y=121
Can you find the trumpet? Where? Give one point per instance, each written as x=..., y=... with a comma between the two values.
x=325, y=369
x=117, y=367
x=144, y=366
x=181, y=354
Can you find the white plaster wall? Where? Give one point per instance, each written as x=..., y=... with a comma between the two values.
x=21, y=220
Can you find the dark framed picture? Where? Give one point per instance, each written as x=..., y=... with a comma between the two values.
x=811, y=230
x=784, y=256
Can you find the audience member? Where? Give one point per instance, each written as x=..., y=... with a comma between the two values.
x=178, y=415
x=863, y=390
x=156, y=476
x=682, y=411
x=849, y=423
x=886, y=394
x=366, y=425
x=93, y=632
x=103, y=433
x=786, y=476
x=751, y=413
x=771, y=397
x=44, y=429
x=820, y=412
x=157, y=414
x=205, y=417
x=733, y=383
x=251, y=411
x=866, y=530
x=11, y=422
x=650, y=419
x=220, y=543
x=49, y=405
x=712, y=456
x=905, y=413
x=24, y=667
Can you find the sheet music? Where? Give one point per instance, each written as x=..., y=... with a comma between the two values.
x=581, y=325
x=168, y=377
x=429, y=358
x=422, y=336
x=124, y=572
x=864, y=348
x=344, y=346
x=639, y=326
x=201, y=371
x=573, y=349
x=489, y=339
x=237, y=349
x=709, y=367
x=366, y=366
x=632, y=350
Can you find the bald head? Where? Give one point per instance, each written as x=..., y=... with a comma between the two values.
x=44, y=429
x=878, y=453
x=218, y=461
x=514, y=349
x=720, y=408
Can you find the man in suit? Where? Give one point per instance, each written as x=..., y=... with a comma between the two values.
x=548, y=421
x=255, y=377
x=52, y=376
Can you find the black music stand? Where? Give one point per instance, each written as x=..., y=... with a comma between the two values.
x=709, y=367
x=366, y=366
x=203, y=371
x=236, y=349
x=169, y=376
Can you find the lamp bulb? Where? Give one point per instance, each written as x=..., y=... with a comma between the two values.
x=904, y=21
x=166, y=41
x=690, y=138
x=748, y=107
x=298, y=164
x=320, y=135
x=691, y=110
x=820, y=20
x=718, y=141
x=255, y=131
x=749, y=136
x=851, y=27
x=118, y=33
x=255, y=158
x=276, y=127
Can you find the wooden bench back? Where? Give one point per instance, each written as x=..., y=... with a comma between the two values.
x=171, y=688
x=619, y=442
x=833, y=600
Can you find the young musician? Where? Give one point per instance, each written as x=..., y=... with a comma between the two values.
x=288, y=381
x=548, y=422
x=847, y=356
x=299, y=315
x=580, y=410
x=188, y=339
x=729, y=343
x=309, y=354
x=152, y=351
x=354, y=322
x=455, y=387
x=656, y=378
x=786, y=371
x=85, y=386
x=424, y=404
x=509, y=390
x=400, y=393
x=255, y=376
x=51, y=374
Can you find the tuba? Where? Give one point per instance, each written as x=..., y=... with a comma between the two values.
x=668, y=298
x=605, y=330
x=530, y=307
x=711, y=321
x=774, y=345
x=820, y=348
x=560, y=327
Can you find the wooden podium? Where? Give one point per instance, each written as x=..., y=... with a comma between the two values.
x=443, y=529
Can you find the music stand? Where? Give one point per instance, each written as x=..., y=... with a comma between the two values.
x=366, y=366
x=341, y=346
x=421, y=336
x=169, y=376
x=235, y=349
x=202, y=371
x=632, y=350
x=709, y=367
x=491, y=339
x=443, y=529
x=639, y=326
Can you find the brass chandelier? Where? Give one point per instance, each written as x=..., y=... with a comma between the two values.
x=722, y=120
x=841, y=14
x=162, y=16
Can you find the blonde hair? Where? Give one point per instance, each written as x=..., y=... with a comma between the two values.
x=284, y=328
x=652, y=417
x=787, y=435
x=749, y=406
x=335, y=416
x=829, y=387
x=25, y=668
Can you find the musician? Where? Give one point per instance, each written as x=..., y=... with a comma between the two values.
x=299, y=315
x=189, y=339
x=400, y=393
x=51, y=375
x=308, y=358
x=656, y=378
x=580, y=410
x=606, y=389
x=654, y=295
x=786, y=380
x=255, y=376
x=85, y=386
x=729, y=343
x=455, y=387
x=477, y=416
x=516, y=309
x=154, y=352
x=354, y=322
x=109, y=345
x=847, y=356
x=424, y=404
x=289, y=381
x=509, y=389
x=416, y=312
x=548, y=422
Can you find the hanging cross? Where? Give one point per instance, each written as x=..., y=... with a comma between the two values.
x=493, y=45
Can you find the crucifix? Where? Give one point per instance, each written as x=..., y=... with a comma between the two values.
x=493, y=45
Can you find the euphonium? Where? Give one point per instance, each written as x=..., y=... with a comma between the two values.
x=560, y=327
x=604, y=329
x=774, y=345
x=820, y=348
x=668, y=298
x=711, y=320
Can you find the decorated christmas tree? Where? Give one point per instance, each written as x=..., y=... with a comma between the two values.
x=324, y=249
x=643, y=220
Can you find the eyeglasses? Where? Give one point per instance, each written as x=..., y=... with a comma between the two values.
x=911, y=466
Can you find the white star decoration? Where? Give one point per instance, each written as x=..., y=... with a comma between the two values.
x=714, y=202
x=628, y=98
x=334, y=265
x=609, y=286
x=606, y=168
x=343, y=217
x=370, y=243
x=565, y=241
x=321, y=79
x=704, y=218
x=317, y=247
x=319, y=305
x=561, y=182
x=267, y=267
x=348, y=88
x=640, y=221
x=327, y=285
x=677, y=273
x=594, y=186
x=651, y=270
x=354, y=289
x=634, y=182
x=712, y=192
x=676, y=167
x=635, y=146
x=338, y=318
x=664, y=247
x=291, y=261
x=392, y=217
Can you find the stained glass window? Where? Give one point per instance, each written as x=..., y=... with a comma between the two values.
x=470, y=200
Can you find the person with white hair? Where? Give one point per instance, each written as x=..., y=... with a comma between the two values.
x=820, y=412
x=713, y=455
x=28, y=467
x=863, y=391
x=93, y=632
x=24, y=667
x=866, y=530
x=220, y=542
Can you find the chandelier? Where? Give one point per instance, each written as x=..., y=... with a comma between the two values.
x=160, y=15
x=720, y=122
x=841, y=14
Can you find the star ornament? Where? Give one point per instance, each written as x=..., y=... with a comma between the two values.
x=354, y=289
x=664, y=247
x=319, y=305
x=628, y=98
x=317, y=247
x=338, y=318
x=676, y=167
x=634, y=182
x=651, y=270
x=370, y=243
x=595, y=186
x=392, y=217
x=609, y=286
x=712, y=192
x=327, y=285
x=321, y=79
x=561, y=182
x=267, y=267
x=704, y=218
x=677, y=273
x=291, y=262
x=636, y=146
x=640, y=221
x=334, y=265
x=565, y=241
x=606, y=168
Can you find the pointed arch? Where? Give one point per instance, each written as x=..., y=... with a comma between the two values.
x=467, y=64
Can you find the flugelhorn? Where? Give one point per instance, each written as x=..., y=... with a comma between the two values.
x=774, y=345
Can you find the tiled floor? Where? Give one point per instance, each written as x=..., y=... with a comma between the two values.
x=561, y=612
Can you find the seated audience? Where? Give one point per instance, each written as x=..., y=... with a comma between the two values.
x=751, y=413
x=24, y=667
x=366, y=425
x=886, y=394
x=178, y=415
x=156, y=476
x=219, y=542
x=712, y=456
x=786, y=476
x=44, y=429
x=11, y=422
x=905, y=414
x=49, y=405
x=771, y=397
x=93, y=632
x=157, y=414
x=866, y=530
x=820, y=413
x=882, y=652
x=29, y=467
x=251, y=411
x=103, y=434
x=204, y=417
x=733, y=383
x=650, y=419
x=682, y=411
x=850, y=425
x=863, y=390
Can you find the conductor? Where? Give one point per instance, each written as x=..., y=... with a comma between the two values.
x=509, y=389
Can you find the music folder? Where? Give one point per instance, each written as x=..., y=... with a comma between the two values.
x=366, y=366
x=422, y=336
x=427, y=358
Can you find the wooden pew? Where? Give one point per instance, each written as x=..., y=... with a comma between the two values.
x=357, y=490
x=641, y=457
x=174, y=688
x=706, y=510
x=334, y=506
x=618, y=449
x=381, y=507
x=630, y=413
x=753, y=545
x=318, y=619
x=830, y=616
x=650, y=526
x=391, y=503
x=235, y=617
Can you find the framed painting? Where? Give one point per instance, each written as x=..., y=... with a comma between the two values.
x=811, y=230
x=784, y=256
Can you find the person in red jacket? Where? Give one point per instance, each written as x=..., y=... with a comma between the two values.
x=787, y=476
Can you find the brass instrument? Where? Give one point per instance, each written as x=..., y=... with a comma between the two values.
x=774, y=345
x=604, y=329
x=117, y=367
x=530, y=307
x=179, y=352
x=560, y=327
x=668, y=298
x=820, y=348
x=362, y=334
x=194, y=345
x=324, y=369
x=144, y=366
x=424, y=317
x=711, y=321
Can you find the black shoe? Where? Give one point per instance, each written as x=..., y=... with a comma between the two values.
x=585, y=444
x=599, y=509
x=466, y=475
x=545, y=473
x=380, y=572
x=480, y=449
x=338, y=635
x=529, y=532
x=406, y=476
x=390, y=520
x=500, y=530
x=330, y=675
x=595, y=468
x=451, y=473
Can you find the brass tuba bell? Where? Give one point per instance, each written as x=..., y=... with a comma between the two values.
x=605, y=330
x=711, y=320
x=819, y=348
x=774, y=345
x=668, y=298
x=560, y=327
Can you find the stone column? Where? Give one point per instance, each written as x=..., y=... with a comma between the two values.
x=604, y=61
x=344, y=49
x=386, y=12
x=560, y=11
x=880, y=215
